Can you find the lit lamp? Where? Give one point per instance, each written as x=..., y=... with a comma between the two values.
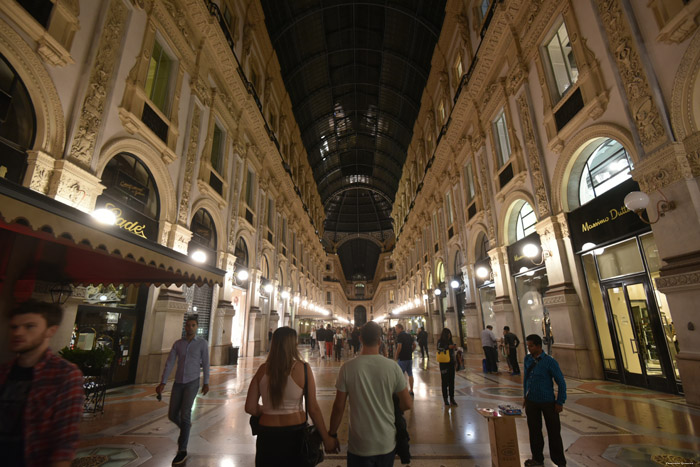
x=454, y=284
x=482, y=272
x=425, y=296
x=285, y=294
x=592, y=246
x=268, y=288
x=199, y=256
x=297, y=299
x=416, y=302
x=530, y=250
x=104, y=216
x=638, y=202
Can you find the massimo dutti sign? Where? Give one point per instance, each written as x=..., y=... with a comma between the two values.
x=516, y=257
x=605, y=219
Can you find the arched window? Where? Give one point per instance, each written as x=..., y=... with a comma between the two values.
x=525, y=222
x=606, y=167
x=203, y=230
x=265, y=266
x=17, y=124
x=281, y=277
x=241, y=253
x=130, y=183
x=482, y=247
x=440, y=272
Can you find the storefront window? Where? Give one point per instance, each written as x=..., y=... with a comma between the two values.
x=487, y=295
x=620, y=259
x=530, y=288
x=651, y=254
x=601, y=319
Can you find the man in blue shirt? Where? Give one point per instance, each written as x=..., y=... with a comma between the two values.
x=191, y=353
x=539, y=401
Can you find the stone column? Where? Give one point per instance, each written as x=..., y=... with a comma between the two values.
x=572, y=326
x=675, y=170
x=222, y=332
x=255, y=323
x=168, y=312
x=471, y=312
x=502, y=306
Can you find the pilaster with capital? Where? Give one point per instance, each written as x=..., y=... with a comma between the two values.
x=573, y=328
x=74, y=186
x=502, y=306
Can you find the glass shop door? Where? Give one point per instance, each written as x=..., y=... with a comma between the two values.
x=634, y=320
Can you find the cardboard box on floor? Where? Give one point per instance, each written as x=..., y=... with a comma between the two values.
x=503, y=437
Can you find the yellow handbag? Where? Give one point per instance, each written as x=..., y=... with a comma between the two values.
x=443, y=356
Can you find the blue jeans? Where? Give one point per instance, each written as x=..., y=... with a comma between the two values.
x=381, y=460
x=180, y=411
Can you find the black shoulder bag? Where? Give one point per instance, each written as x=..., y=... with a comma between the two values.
x=311, y=447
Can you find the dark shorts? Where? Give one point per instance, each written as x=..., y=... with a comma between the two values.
x=406, y=366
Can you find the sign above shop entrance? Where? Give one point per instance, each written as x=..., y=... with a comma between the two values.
x=517, y=259
x=605, y=219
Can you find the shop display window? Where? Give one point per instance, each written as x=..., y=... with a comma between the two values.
x=530, y=288
x=651, y=255
x=620, y=259
x=601, y=317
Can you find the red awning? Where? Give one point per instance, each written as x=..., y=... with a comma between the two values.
x=60, y=243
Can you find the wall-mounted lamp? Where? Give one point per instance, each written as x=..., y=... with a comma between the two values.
x=454, y=284
x=199, y=256
x=425, y=296
x=638, y=201
x=297, y=299
x=482, y=272
x=530, y=250
x=104, y=216
x=285, y=294
x=416, y=302
x=268, y=288
x=588, y=246
x=438, y=292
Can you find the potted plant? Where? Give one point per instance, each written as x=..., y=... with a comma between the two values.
x=91, y=362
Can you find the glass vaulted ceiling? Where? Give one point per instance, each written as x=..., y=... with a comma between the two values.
x=355, y=73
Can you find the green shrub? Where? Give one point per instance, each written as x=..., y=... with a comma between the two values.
x=94, y=359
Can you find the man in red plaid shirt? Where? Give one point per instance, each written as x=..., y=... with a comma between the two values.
x=41, y=394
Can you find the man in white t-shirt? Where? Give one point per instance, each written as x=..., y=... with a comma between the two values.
x=370, y=381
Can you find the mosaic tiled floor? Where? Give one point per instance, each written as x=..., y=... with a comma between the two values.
x=603, y=424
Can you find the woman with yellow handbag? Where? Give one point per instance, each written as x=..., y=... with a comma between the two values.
x=446, y=359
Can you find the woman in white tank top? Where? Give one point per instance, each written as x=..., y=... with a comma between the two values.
x=280, y=383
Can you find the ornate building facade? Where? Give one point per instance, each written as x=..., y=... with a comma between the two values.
x=538, y=119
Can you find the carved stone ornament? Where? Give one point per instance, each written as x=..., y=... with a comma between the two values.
x=189, y=168
x=642, y=106
x=689, y=280
x=83, y=145
x=666, y=166
x=486, y=197
x=533, y=154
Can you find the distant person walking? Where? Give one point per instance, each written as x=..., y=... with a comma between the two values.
x=338, y=340
x=313, y=339
x=447, y=369
x=511, y=343
x=370, y=381
x=422, y=339
x=489, y=343
x=41, y=394
x=404, y=354
x=191, y=353
x=539, y=401
x=329, y=341
x=321, y=338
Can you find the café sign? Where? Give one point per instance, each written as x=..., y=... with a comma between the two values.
x=128, y=219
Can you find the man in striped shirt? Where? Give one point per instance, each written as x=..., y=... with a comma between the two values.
x=540, y=372
x=191, y=352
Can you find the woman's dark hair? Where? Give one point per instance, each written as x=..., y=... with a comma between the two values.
x=446, y=336
x=283, y=354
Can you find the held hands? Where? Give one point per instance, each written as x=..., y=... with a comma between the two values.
x=558, y=408
x=205, y=389
x=159, y=388
x=331, y=445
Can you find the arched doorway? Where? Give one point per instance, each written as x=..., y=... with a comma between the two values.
x=360, y=315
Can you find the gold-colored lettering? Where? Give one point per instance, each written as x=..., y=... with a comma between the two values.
x=130, y=226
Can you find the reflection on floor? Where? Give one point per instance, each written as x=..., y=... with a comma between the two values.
x=603, y=424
